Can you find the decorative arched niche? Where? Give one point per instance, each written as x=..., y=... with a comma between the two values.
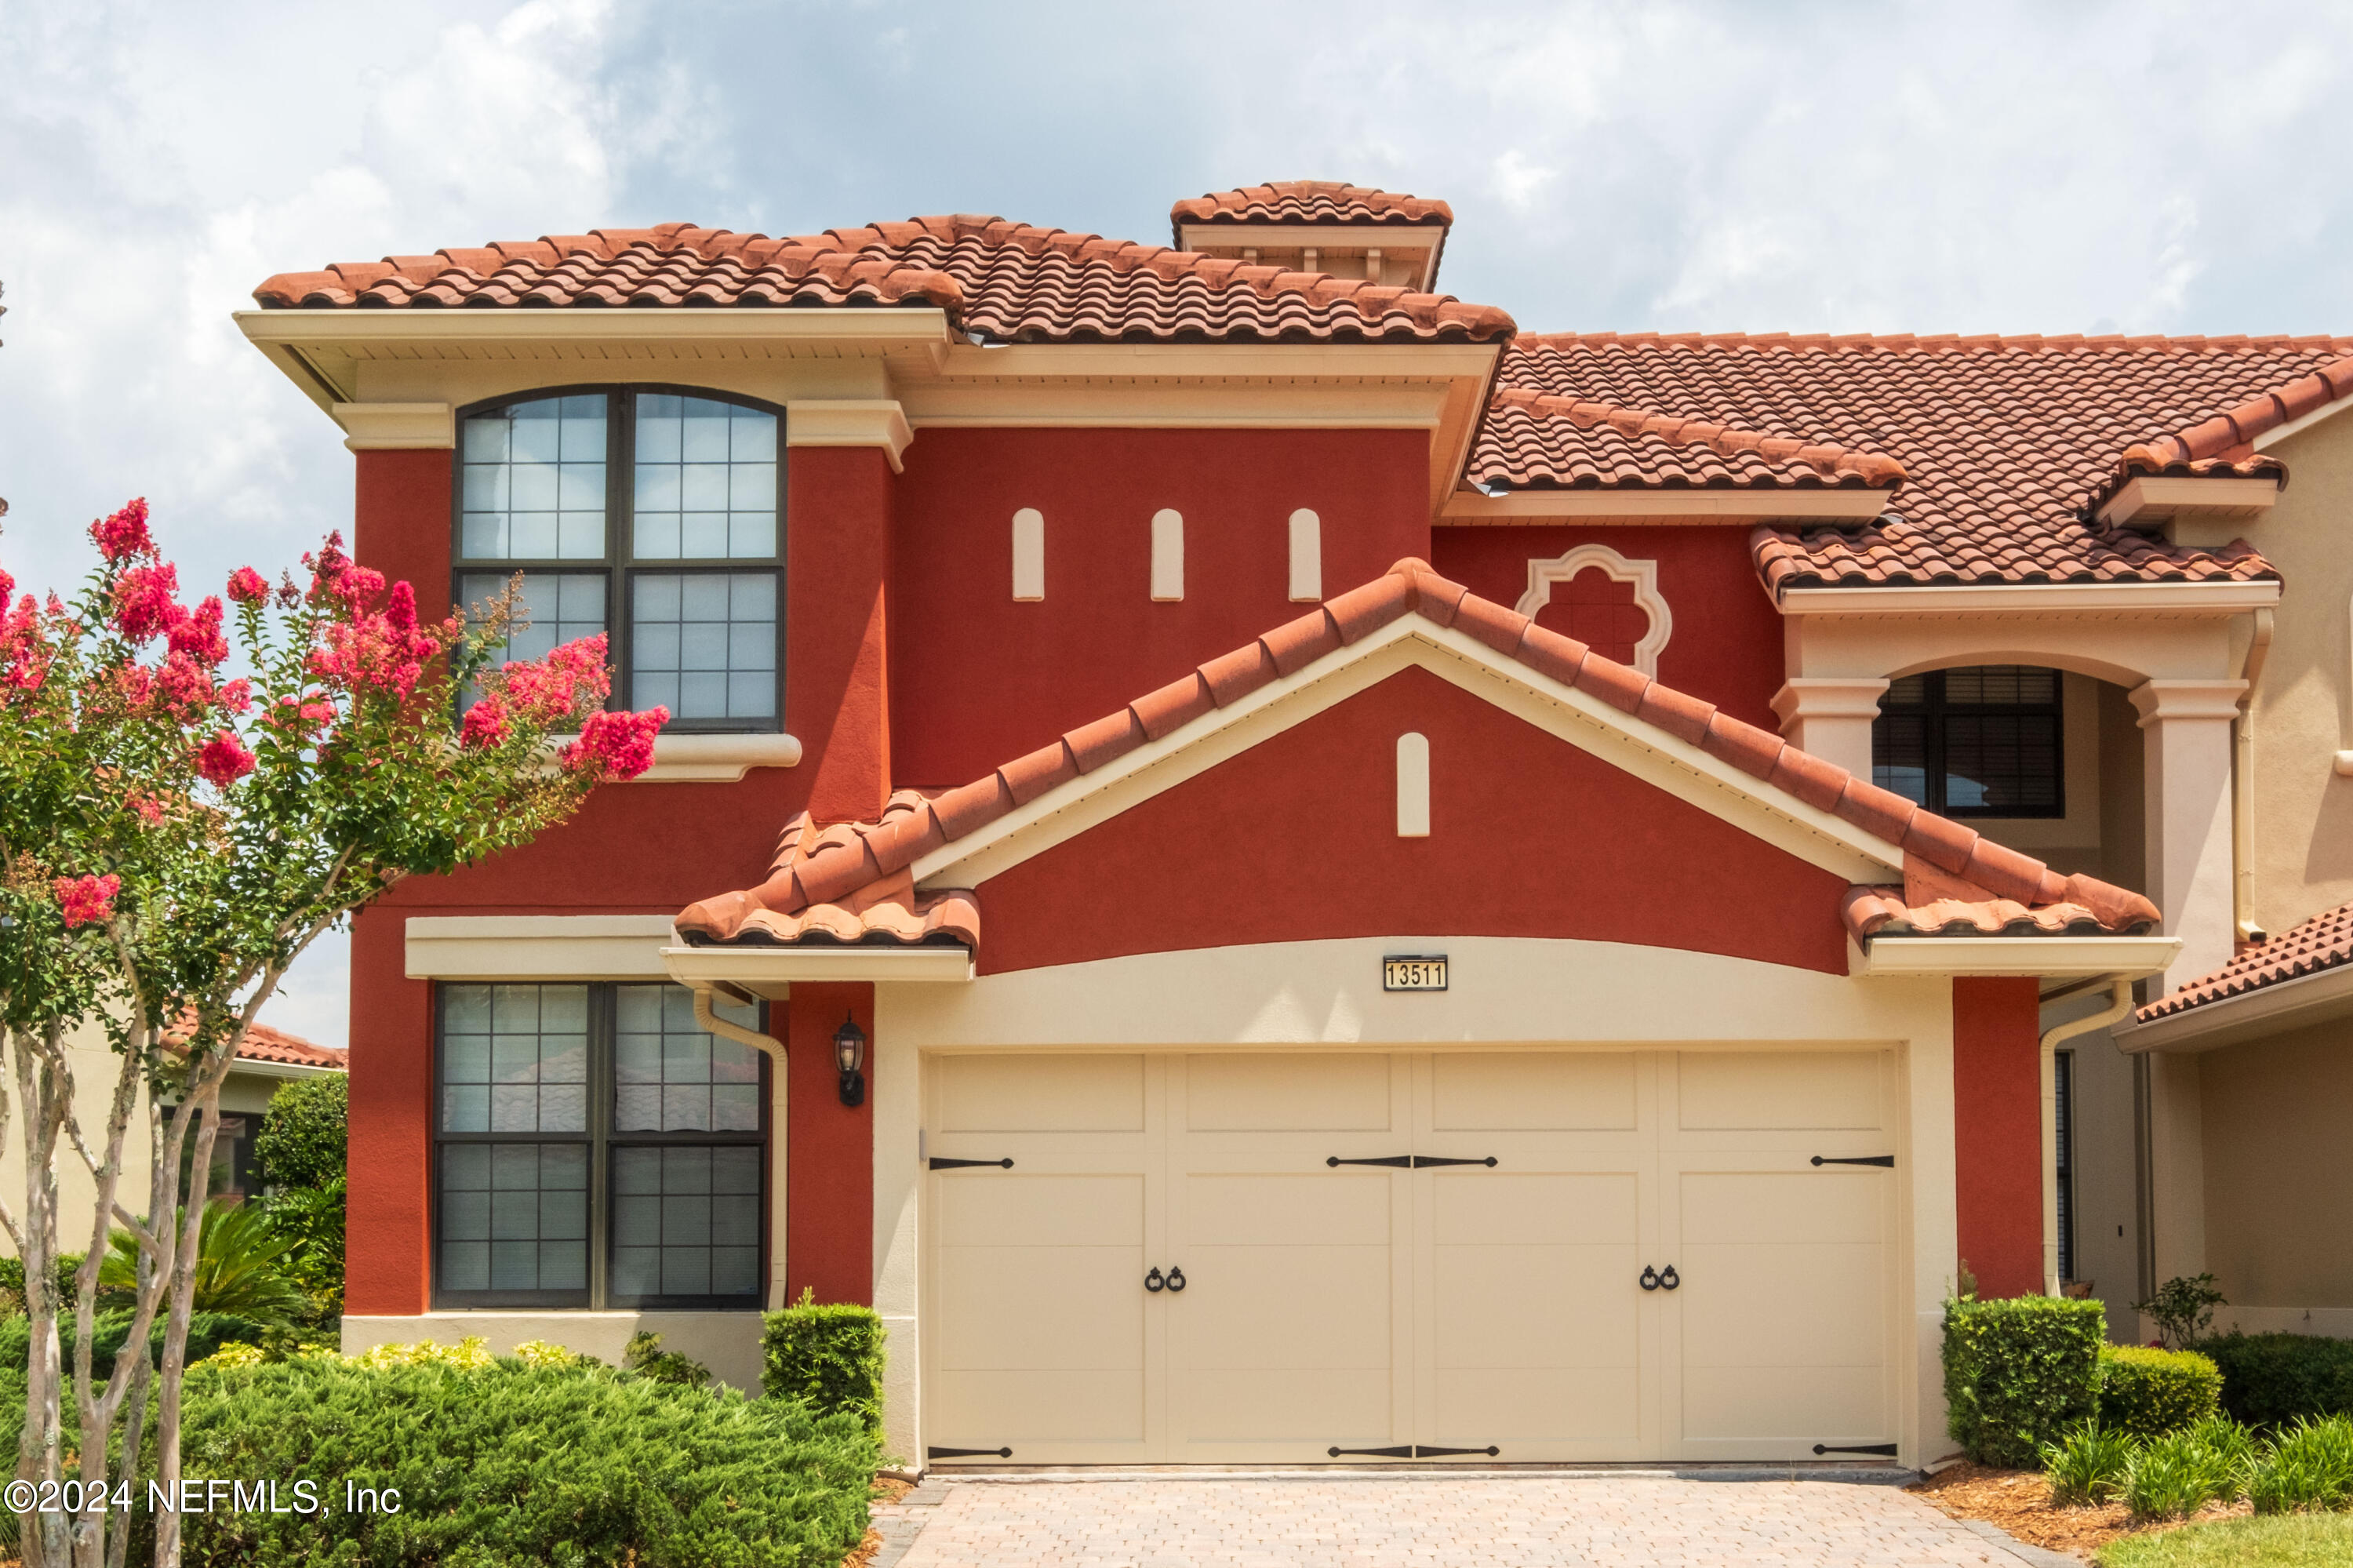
x=1631, y=585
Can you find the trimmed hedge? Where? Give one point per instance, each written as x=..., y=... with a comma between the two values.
x=510, y=1464
x=830, y=1356
x=2019, y=1373
x=208, y=1333
x=2148, y=1393
x=2272, y=1380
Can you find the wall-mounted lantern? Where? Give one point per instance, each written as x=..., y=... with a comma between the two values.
x=849, y=1055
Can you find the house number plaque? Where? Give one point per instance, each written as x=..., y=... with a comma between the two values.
x=1414, y=972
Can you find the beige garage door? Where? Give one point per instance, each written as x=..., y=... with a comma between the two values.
x=1233, y=1258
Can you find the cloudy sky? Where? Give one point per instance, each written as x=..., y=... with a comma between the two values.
x=2047, y=167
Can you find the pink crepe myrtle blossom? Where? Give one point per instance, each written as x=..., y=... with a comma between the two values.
x=551, y=689
x=124, y=536
x=87, y=900
x=225, y=760
x=184, y=688
x=199, y=636
x=485, y=724
x=143, y=606
x=247, y=586
x=614, y=746
x=237, y=696
x=147, y=808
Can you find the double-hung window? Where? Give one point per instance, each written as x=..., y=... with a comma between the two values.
x=1979, y=742
x=652, y=516
x=594, y=1147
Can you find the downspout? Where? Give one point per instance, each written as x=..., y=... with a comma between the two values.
x=2120, y=1003
x=2243, y=797
x=712, y=1024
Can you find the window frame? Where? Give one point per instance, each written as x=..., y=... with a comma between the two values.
x=601, y=1139
x=1933, y=712
x=2063, y=1175
x=620, y=566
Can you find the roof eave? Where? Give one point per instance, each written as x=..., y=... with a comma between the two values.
x=2032, y=599
x=2051, y=955
x=1728, y=504
x=2253, y=1015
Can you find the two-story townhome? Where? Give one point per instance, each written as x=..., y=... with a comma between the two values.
x=1274, y=870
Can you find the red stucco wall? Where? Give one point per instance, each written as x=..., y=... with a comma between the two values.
x=830, y=1149
x=979, y=679
x=1726, y=643
x=1296, y=838
x=1997, y=1131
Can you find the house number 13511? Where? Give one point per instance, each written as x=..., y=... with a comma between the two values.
x=1417, y=972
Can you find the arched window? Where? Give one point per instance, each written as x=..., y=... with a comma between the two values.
x=652, y=516
x=1976, y=742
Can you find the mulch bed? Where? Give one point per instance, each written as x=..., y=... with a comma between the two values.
x=2019, y=1502
x=886, y=1490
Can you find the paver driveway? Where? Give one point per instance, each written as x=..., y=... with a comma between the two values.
x=1493, y=1522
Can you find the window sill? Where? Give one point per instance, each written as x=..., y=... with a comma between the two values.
x=712, y=758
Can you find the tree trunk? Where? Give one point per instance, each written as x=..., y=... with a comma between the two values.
x=204, y=1102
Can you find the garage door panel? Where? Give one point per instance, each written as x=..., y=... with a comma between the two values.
x=1505, y=1208
x=1042, y=1306
x=1789, y=1405
x=1293, y=1404
x=999, y=1209
x=1558, y=1406
x=1288, y=1093
x=1313, y=1308
x=1509, y=1091
x=1779, y=1091
x=1791, y=1208
x=1537, y=1307
x=1043, y=1093
x=1794, y=1306
x=989, y=1409
x=1252, y=1210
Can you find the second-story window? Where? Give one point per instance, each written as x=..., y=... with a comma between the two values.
x=651, y=516
x=1979, y=742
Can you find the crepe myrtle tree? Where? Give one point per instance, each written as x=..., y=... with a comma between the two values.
x=169, y=841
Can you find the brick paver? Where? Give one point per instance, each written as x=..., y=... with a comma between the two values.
x=1405, y=1521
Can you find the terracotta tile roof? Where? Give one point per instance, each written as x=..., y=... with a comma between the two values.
x=1003, y=280
x=886, y=911
x=1533, y=440
x=2006, y=444
x=1888, y=911
x=2323, y=942
x=1310, y=201
x=263, y=1044
x=1943, y=859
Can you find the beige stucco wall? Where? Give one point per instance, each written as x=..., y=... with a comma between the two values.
x=2278, y=1118
x=2304, y=826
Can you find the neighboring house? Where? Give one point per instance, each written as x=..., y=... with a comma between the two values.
x=1274, y=870
x=266, y=1060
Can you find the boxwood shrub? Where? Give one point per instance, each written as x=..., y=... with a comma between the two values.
x=2148, y=1393
x=208, y=1333
x=2019, y=1373
x=508, y=1464
x=830, y=1356
x=2272, y=1380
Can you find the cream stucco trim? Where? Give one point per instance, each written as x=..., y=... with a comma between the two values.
x=1077, y=403
x=848, y=422
x=258, y=1067
x=537, y=947
x=1585, y=721
x=770, y=971
x=1225, y=360
x=2321, y=414
x=2051, y=955
x=2185, y=598
x=2159, y=496
x=1544, y=575
x=727, y=1342
x=377, y=427
x=1726, y=506
x=716, y=758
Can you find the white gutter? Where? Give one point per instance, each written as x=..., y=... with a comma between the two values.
x=2030, y=598
x=2268, y=1009
x=2243, y=798
x=713, y=1024
x=2049, y=955
x=2120, y=1004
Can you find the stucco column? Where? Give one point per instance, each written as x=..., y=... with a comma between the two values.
x=1830, y=715
x=2185, y=730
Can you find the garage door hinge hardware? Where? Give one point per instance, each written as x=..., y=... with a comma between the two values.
x=1411, y=1451
x=940, y=1164
x=1885, y=1450
x=1411, y=1162
x=1887, y=1160
x=967, y=1453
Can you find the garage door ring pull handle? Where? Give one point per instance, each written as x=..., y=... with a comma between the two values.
x=1670, y=1279
x=1153, y=1281
x=1176, y=1280
x=1649, y=1280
